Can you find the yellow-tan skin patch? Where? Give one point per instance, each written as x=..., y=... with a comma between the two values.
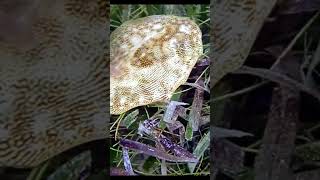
x=158, y=53
x=51, y=87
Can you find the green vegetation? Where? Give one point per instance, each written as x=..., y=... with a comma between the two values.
x=126, y=125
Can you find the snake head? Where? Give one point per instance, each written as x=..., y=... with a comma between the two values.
x=151, y=58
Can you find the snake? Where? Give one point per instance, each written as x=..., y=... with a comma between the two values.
x=54, y=91
x=150, y=58
x=53, y=87
x=234, y=28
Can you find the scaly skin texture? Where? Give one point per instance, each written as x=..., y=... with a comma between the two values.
x=53, y=94
x=235, y=26
x=150, y=58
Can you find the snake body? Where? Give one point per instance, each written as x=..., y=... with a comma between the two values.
x=53, y=94
x=235, y=26
x=150, y=58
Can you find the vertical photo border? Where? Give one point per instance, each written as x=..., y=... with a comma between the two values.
x=169, y=136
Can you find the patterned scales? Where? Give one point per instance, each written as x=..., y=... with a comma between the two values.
x=150, y=58
x=53, y=94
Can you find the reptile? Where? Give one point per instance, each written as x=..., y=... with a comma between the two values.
x=235, y=26
x=53, y=93
x=150, y=58
x=53, y=87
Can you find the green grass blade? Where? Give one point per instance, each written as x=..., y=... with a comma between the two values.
x=202, y=146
